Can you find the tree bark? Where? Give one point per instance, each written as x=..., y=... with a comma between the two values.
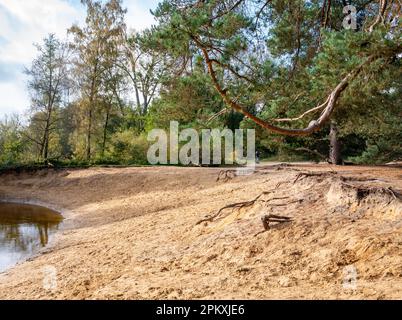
x=46, y=139
x=89, y=132
x=335, y=146
x=105, y=127
x=91, y=110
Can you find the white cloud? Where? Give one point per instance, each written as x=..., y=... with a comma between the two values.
x=138, y=16
x=28, y=22
x=23, y=23
x=13, y=98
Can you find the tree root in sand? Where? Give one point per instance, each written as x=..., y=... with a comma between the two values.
x=282, y=166
x=273, y=218
x=361, y=193
x=304, y=175
x=234, y=206
x=226, y=175
x=246, y=204
x=267, y=219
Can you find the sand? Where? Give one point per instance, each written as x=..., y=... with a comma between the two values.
x=132, y=233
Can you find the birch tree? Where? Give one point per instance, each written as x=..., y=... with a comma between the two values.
x=48, y=81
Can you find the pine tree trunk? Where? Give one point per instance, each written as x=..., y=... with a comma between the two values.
x=335, y=147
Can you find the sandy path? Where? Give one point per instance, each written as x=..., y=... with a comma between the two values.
x=131, y=233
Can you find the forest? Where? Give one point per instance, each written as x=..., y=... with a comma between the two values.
x=318, y=80
x=118, y=181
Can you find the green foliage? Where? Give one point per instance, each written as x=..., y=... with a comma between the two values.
x=12, y=144
x=128, y=148
x=277, y=59
x=188, y=100
x=380, y=151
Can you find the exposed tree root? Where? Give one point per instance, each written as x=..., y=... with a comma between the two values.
x=284, y=204
x=357, y=190
x=246, y=204
x=273, y=218
x=363, y=192
x=304, y=175
x=344, y=179
x=393, y=193
x=284, y=166
x=226, y=175
x=238, y=205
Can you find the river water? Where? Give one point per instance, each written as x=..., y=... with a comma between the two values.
x=24, y=230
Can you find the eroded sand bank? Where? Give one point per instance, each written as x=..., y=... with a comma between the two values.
x=132, y=233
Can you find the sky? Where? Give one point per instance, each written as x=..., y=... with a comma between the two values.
x=23, y=23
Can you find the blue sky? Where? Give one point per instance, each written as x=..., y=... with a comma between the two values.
x=23, y=23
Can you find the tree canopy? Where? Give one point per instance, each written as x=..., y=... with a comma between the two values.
x=317, y=79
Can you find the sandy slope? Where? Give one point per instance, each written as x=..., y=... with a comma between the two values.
x=132, y=233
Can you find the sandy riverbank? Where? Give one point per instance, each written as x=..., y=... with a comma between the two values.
x=132, y=233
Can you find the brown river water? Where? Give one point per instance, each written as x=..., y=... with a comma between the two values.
x=24, y=230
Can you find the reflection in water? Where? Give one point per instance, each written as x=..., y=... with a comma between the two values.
x=24, y=229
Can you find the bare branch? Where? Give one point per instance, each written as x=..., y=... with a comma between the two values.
x=380, y=15
x=217, y=114
x=304, y=114
x=231, y=70
x=227, y=11
x=261, y=10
